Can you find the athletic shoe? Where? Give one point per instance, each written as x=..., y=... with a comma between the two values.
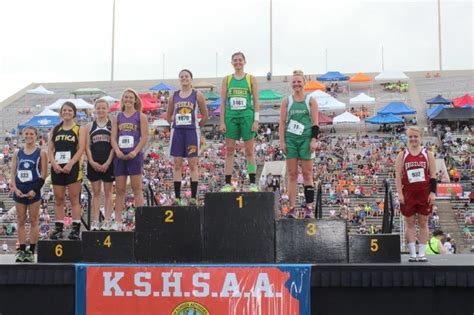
x=227, y=188
x=57, y=233
x=75, y=231
x=179, y=202
x=308, y=213
x=193, y=202
x=422, y=259
x=105, y=226
x=115, y=226
x=292, y=214
x=253, y=188
x=412, y=259
x=95, y=226
x=20, y=256
x=29, y=257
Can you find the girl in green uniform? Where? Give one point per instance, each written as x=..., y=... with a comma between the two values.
x=298, y=139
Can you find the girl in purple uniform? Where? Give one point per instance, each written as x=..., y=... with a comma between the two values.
x=129, y=136
x=182, y=115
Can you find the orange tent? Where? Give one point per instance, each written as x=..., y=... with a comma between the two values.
x=314, y=85
x=360, y=77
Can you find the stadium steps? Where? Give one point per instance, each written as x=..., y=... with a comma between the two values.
x=448, y=222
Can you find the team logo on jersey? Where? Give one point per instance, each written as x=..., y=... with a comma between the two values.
x=190, y=308
x=26, y=165
x=192, y=149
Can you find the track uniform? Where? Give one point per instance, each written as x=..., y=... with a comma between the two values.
x=416, y=183
x=65, y=146
x=298, y=129
x=128, y=137
x=185, y=129
x=239, y=111
x=100, y=148
x=27, y=175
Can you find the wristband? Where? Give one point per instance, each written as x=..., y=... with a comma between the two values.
x=433, y=185
x=315, y=131
x=257, y=117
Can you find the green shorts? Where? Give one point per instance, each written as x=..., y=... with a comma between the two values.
x=239, y=128
x=298, y=148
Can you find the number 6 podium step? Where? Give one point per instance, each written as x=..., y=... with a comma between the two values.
x=59, y=251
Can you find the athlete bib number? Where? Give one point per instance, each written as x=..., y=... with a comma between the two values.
x=183, y=119
x=238, y=103
x=126, y=142
x=295, y=127
x=25, y=176
x=416, y=175
x=62, y=157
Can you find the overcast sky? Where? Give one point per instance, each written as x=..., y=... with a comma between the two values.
x=70, y=40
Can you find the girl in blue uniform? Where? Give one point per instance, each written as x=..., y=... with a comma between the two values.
x=29, y=169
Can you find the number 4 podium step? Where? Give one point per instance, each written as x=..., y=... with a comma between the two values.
x=108, y=247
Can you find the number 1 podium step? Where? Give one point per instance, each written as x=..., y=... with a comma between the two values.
x=239, y=227
x=59, y=251
x=108, y=247
x=168, y=234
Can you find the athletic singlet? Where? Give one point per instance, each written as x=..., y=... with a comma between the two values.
x=100, y=141
x=65, y=144
x=27, y=167
x=416, y=174
x=298, y=122
x=185, y=111
x=239, y=98
x=128, y=135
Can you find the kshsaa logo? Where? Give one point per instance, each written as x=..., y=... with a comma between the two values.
x=190, y=308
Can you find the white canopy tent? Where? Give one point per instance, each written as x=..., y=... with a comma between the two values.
x=48, y=112
x=109, y=99
x=160, y=123
x=40, y=90
x=346, y=118
x=391, y=76
x=362, y=99
x=79, y=102
x=326, y=101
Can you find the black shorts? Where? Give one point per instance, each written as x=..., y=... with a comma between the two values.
x=66, y=179
x=107, y=177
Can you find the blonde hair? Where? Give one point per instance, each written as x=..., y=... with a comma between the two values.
x=299, y=73
x=101, y=100
x=138, y=101
x=415, y=129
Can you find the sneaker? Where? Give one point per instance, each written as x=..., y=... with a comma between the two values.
x=422, y=259
x=292, y=214
x=57, y=232
x=193, y=202
x=115, y=226
x=95, y=226
x=412, y=259
x=75, y=231
x=20, y=256
x=253, y=188
x=227, y=188
x=29, y=257
x=308, y=213
x=105, y=226
x=179, y=202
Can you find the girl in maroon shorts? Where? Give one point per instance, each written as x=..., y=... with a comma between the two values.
x=416, y=186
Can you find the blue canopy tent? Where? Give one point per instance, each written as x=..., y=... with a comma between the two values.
x=41, y=122
x=434, y=111
x=214, y=104
x=438, y=100
x=162, y=87
x=397, y=108
x=333, y=76
x=384, y=119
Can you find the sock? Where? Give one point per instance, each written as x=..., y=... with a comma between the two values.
x=309, y=194
x=194, y=189
x=177, y=189
x=252, y=177
x=228, y=179
x=412, y=249
x=32, y=248
x=421, y=250
x=23, y=247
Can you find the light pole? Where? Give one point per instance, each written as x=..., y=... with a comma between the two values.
x=113, y=43
x=217, y=64
x=163, y=66
x=271, y=37
x=440, y=56
x=383, y=66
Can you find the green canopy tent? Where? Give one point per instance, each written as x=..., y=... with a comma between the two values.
x=211, y=96
x=269, y=95
x=87, y=91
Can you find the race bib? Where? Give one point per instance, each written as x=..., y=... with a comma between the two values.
x=183, y=119
x=238, y=103
x=62, y=157
x=126, y=142
x=295, y=127
x=25, y=176
x=416, y=175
